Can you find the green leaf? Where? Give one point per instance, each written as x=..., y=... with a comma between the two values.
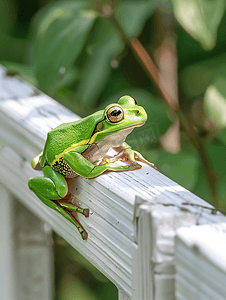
x=197, y=77
x=133, y=15
x=59, y=40
x=215, y=102
x=93, y=78
x=105, y=44
x=200, y=18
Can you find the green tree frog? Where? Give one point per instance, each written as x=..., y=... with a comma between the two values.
x=81, y=148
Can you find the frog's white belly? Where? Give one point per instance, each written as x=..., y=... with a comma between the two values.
x=97, y=151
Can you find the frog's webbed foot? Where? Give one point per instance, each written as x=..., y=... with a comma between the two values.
x=134, y=166
x=139, y=157
x=72, y=211
x=122, y=155
x=73, y=215
x=129, y=156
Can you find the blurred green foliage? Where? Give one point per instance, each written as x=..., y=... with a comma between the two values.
x=73, y=52
x=200, y=18
x=76, y=278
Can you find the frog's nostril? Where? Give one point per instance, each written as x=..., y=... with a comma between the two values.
x=137, y=112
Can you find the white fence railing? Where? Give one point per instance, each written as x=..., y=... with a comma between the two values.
x=132, y=226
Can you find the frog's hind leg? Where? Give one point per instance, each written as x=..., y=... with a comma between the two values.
x=61, y=210
x=53, y=187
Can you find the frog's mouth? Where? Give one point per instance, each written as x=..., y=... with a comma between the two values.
x=132, y=126
x=139, y=124
x=117, y=130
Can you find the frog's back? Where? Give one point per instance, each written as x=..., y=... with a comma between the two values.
x=69, y=135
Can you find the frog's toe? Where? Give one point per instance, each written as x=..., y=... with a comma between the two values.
x=156, y=168
x=84, y=235
x=134, y=166
x=86, y=212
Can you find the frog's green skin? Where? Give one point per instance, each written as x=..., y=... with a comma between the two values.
x=80, y=148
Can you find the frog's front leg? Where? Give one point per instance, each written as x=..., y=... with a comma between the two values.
x=85, y=168
x=54, y=187
x=127, y=154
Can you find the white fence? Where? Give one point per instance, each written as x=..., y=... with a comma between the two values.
x=135, y=217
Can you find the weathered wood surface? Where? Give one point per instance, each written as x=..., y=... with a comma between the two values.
x=7, y=289
x=131, y=242
x=201, y=262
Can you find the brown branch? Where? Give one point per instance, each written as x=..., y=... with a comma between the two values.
x=155, y=76
x=153, y=72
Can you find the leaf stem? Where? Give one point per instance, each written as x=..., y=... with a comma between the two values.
x=153, y=73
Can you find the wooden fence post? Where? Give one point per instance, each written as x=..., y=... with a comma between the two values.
x=7, y=270
x=26, y=258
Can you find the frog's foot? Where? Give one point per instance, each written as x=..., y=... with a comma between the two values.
x=72, y=207
x=122, y=155
x=74, y=217
x=134, y=166
x=84, y=235
x=139, y=157
x=54, y=205
x=128, y=155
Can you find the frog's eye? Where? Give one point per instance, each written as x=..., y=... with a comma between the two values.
x=115, y=114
